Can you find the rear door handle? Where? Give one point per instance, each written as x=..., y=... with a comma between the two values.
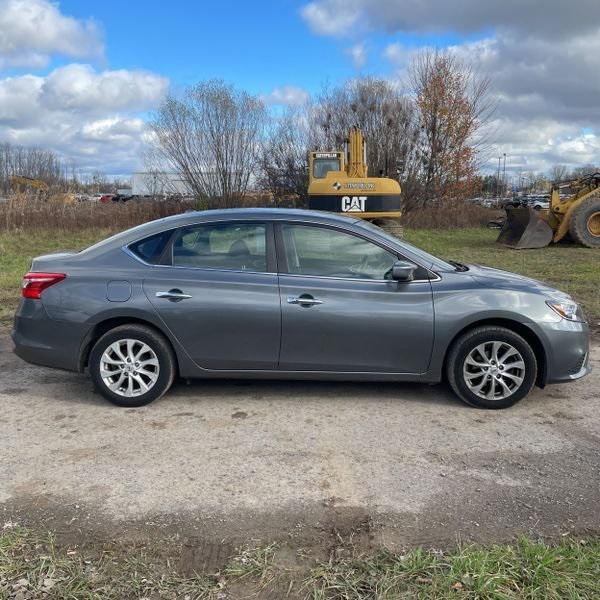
x=173, y=295
x=305, y=300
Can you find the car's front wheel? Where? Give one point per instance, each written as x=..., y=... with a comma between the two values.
x=491, y=367
x=132, y=365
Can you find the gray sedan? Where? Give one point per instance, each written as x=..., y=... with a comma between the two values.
x=269, y=293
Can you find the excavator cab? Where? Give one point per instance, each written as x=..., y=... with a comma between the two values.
x=325, y=162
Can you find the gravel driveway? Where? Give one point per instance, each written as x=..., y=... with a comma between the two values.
x=232, y=460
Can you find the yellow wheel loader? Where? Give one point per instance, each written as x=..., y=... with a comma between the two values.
x=576, y=215
x=338, y=182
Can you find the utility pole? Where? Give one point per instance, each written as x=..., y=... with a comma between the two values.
x=498, y=179
x=504, y=176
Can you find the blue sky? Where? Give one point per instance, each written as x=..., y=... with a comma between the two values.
x=81, y=76
x=256, y=45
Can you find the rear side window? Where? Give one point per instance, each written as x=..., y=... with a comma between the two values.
x=230, y=246
x=150, y=249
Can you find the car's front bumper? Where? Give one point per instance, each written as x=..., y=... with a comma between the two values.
x=567, y=347
x=41, y=340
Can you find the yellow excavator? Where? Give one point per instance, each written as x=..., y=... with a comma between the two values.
x=339, y=182
x=576, y=214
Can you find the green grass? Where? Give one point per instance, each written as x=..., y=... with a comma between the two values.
x=526, y=569
x=19, y=247
x=570, y=268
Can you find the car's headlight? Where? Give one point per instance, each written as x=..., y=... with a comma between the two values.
x=567, y=309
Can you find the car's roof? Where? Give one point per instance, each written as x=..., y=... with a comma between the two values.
x=205, y=216
x=262, y=213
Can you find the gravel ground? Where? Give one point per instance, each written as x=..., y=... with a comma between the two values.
x=226, y=461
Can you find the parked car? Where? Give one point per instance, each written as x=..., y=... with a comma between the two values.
x=274, y=293
x=538, y=202
x=514, y=202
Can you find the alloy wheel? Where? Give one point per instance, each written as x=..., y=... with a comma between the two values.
x=129, y=367
x=494, y=370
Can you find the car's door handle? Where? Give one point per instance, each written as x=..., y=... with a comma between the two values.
x=173, y=295
x=304, y=299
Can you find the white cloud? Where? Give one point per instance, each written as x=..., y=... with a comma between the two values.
x=543, y=59
x=323, y=20
x=31, y=31
x=80, y=87
x=358, y=53
x=288, y=95
x=537, y=144
x=538, y=18
x=91, y=118
x=398, y=54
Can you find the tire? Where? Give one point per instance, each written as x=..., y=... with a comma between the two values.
x=156, y=365
x=584, y=226
x=460, y=372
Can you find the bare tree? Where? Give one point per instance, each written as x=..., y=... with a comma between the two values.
x=34, y=163
x=454, y=106
x=381, y=110
x=284, y=155
x=211, y=137
x=558, y=172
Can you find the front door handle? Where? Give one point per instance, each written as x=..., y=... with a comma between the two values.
x=304, y=300
x=173, y=295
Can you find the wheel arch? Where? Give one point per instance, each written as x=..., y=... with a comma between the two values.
x=105, y=325
x=521, y=329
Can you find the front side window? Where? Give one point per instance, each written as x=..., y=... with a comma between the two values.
x=325, y=252
x=322, y=166
x=231, y=246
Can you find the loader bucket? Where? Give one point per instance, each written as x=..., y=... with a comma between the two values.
x=524, y=228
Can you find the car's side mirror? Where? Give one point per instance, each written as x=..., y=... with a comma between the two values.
x=402, y=270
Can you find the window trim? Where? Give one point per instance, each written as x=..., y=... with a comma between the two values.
x=276, y=264
x=167, y=253
x=284, y=269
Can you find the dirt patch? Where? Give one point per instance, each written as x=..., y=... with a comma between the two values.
x=317, y=468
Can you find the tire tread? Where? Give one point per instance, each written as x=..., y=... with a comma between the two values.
x=492, y=330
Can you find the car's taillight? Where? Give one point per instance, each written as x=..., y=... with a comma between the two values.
x=35, y=283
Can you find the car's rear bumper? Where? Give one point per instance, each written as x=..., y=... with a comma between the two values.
x=40, y=340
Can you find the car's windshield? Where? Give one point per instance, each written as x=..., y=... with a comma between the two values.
x=428, y=259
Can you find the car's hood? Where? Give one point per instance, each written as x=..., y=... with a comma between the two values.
x=507, y=280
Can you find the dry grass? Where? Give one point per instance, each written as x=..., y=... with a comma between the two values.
x=23, y=214
x=449, y=214
x=30, y=214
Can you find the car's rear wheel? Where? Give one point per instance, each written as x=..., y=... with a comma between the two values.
x=132, y=365
x=491, y=367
